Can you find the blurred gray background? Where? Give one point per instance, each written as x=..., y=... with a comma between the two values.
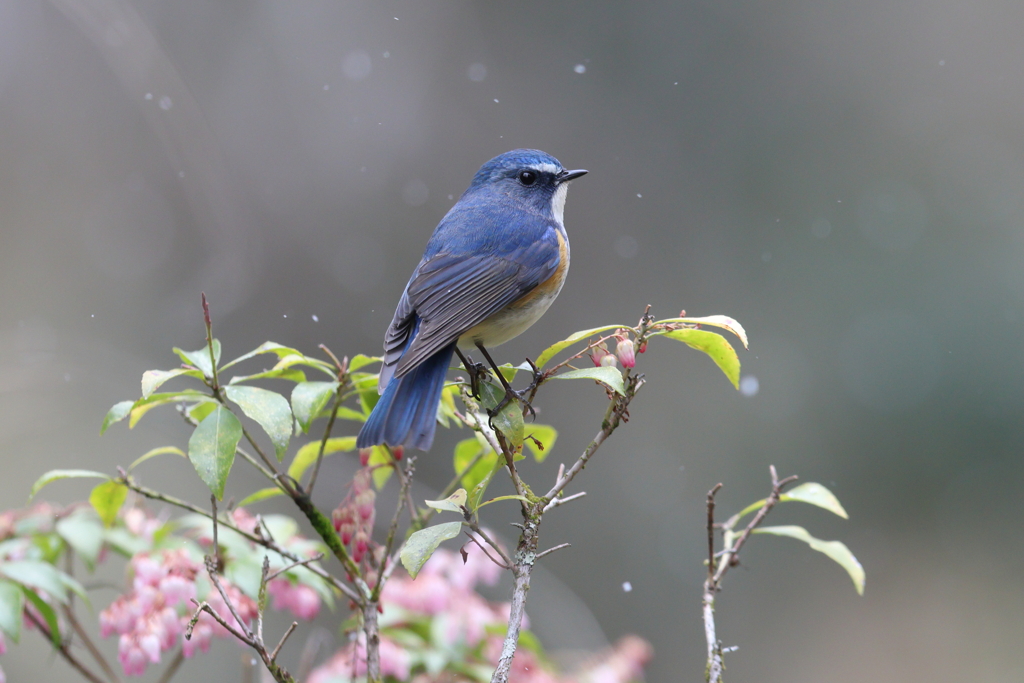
x=844, y=178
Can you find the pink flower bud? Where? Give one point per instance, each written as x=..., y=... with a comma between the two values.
x=364, y=456
x=361, y=543
x=397, y=452
x=642, y=347
x=608, y=361
x=624, y=351
x=364, y=504
x=599, y=353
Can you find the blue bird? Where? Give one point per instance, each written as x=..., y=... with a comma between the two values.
x=491, y=269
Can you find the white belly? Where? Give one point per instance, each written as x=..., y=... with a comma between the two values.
x=509, y=323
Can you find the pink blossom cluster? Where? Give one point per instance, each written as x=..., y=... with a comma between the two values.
x=443, y=593
x=151, y=618
x=353, y=519
x=625, y=352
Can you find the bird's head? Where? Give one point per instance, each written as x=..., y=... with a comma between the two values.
x=528, y=175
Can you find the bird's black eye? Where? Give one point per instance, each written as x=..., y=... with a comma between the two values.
x=527, y=177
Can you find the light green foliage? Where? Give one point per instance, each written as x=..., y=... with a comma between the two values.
x=83, y=532
x=201, y=359
x=608, y=376
x=715, y=346
x=309, y=398
x=55, y=475
x=540, y=439
x=509, y=420
x=453, y=503
x=380, y=459
x=269, y=409
x=837, y=550
x=422, y=544
x=212, y=448
x=107, y=499
x=815, y=494
x=306, y=455
x=152, y=453
x=12, y=600
x=553, y=350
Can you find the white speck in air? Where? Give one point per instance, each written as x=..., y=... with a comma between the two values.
x=149, y=96
x=639, y=196
x=496, y=100
x=749, y=385
x=580, y=69
x=285, y=315
x=316, y=318
x=165, y=103
x=626, y=586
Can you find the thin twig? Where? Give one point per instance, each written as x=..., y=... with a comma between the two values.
x=403, y=500
x=562, y=500
x=280, y=643
x=173, y=666
x=64, y=650
x=293, y=565
x=503, y=563
x=551, y=550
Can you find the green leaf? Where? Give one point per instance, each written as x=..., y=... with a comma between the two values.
x=509, y=420
x=262, y=494
x=716, y=346
x=201, y=359
x=152, y=453
x=54, y=475
x=550, y=352
x=608, y=376
x=266, y=347
x=722, y=321
x=12, y=600
x=84, y=533
x=837, y=550
x=117, y=413
x=421, y=545
x=366, y=384
x=306, y=455
x=290, y=374
x=270, y=409
x=346, y=413
x=546, y=435
x=499, y=498
x=309, y=398
x=36, y=574
x=212, y=448
x=466, y=451
x=815, y=494
x=48, y=614
x=144, y=405
x=382, y=460
x=152, y=379
x=453, y=503
x=360, y=361
x=199, y=411
x=107, y=499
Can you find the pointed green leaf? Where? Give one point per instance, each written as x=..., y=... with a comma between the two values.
x=608, y=376
x=837, y=550
x=306, y=455
x=722, y=321
x=265, y=347
x=477, y=456
x=290, y=374
x=453, y=503
x=152, y=453
x=346, y=413
x=262, y=494
x=153, y=379
x=107, y=499
x=270, y=409
x=117, y=413
x=550, y=352
x=144, y=405
x=545, y=435
x=54, y=475
x=360, y=361
x=421, y=545
x=815, y=494
x=12, y=600
x=84, y=533
x=48, y=614
x=509, y=420
x=499, y=498
x=212, y=448
x=716, y=346
x=199, y=411
x=201, y=359
x=309, y=398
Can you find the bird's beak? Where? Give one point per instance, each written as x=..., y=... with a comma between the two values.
x=566, y=176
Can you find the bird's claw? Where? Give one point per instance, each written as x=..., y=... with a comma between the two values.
x=510, y=395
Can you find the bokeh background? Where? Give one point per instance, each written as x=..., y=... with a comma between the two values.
x=846, y=179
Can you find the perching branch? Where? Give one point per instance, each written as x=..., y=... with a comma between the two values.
x=719, y=564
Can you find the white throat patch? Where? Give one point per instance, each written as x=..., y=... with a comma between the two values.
x=558, y=202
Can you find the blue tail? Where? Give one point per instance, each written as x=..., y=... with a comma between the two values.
x=406, y=413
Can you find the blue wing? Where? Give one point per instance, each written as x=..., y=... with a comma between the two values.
x=477, y=262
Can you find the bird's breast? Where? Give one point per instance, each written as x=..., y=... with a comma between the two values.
x=518, y=316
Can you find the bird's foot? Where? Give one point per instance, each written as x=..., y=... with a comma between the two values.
x=513, y=395
x=477, y=372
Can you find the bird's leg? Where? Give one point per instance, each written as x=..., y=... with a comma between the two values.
x=510, y=393
x=475, y=370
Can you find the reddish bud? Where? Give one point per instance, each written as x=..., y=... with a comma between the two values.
x=362, y=481
x=625, y=352
x=642, y=347
x=364, y=456
x=360, y=544
x=397, y=452
x=364, y=504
